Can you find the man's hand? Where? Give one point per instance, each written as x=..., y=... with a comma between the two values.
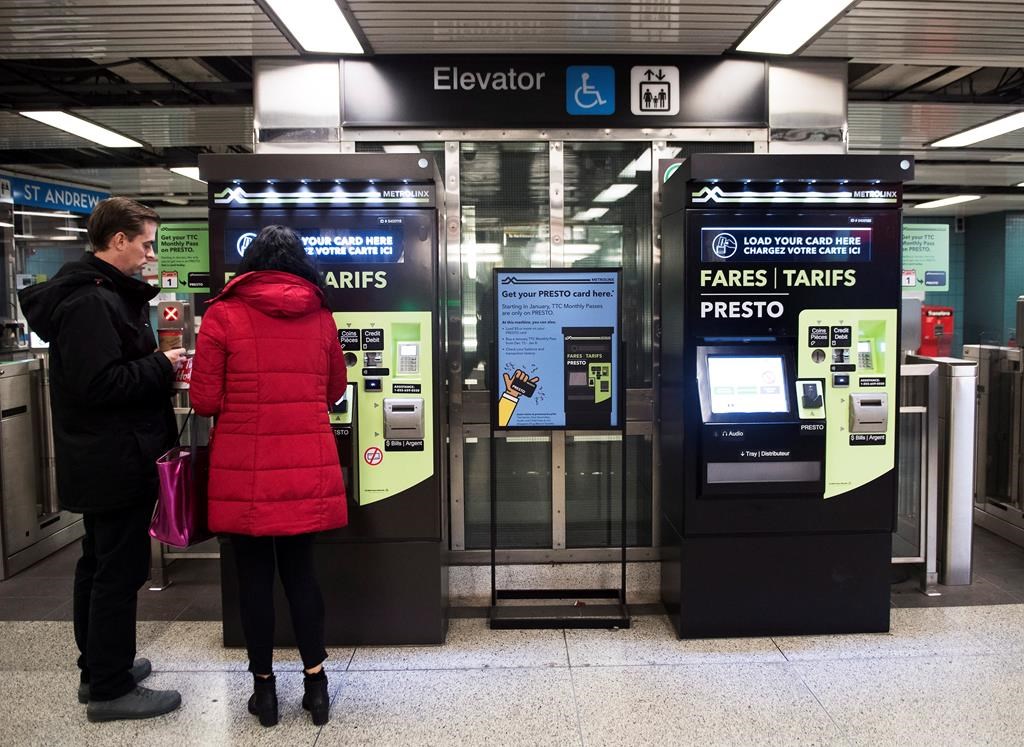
x=176, y=357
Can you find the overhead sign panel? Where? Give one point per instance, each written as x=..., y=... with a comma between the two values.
x=531, y=91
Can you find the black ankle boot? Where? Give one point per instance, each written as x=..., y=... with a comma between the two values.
x=263, y=702
x=316, y=700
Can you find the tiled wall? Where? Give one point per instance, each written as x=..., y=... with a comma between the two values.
x=1013, y=283
x=984, y=290
x=954, y=297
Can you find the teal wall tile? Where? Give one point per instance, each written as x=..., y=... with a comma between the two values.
x=1013, y=279
x=984, y=288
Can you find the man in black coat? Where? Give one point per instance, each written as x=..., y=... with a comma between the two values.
x=110, y=391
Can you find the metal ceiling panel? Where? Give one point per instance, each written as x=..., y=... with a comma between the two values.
x=611, y=26
x=908, y=126
x=168, y=127
x=131, y=28
x=126, y=182
x=161, y=127
x=924, y=32
x=973, y=174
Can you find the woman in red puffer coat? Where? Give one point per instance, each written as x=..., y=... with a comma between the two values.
x=267, y=365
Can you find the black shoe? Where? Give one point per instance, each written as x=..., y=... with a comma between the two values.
x=140, y=671
x=263, y=702
x=316, y=700
x=139, y=703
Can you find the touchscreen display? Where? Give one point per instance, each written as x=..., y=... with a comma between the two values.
x=747, y=384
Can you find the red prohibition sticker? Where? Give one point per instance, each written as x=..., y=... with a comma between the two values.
x=373, y=456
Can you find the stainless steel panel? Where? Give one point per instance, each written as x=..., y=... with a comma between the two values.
x=807, y=106
x=959, y=429
x=296, y=94
x=19, y=456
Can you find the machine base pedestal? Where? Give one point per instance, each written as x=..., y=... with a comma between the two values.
x=779, y=585
x=379, y=593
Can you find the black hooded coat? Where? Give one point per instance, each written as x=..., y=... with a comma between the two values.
x=110, y=389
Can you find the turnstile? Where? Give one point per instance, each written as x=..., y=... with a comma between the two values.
x=32, y=525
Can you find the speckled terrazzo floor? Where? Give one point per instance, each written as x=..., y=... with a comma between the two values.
x=941, y=676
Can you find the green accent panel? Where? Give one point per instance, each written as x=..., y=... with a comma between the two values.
x=182, y=249
x=596, y=373
x=874, y=354
x=396, y=471
x=673, y=168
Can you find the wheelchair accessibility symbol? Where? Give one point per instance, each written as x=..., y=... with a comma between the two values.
x=590, y=89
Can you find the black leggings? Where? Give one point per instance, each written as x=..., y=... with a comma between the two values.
x=254, y=558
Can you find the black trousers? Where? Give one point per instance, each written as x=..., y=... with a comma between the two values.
x=254, y=559
x=114, y=564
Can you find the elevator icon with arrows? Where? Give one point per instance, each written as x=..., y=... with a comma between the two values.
x=654, y=90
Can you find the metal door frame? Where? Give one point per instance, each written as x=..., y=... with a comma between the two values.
x=468, y=410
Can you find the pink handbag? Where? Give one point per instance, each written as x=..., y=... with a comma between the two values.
x=179, y=519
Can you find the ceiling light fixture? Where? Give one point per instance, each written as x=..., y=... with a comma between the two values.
x=410, y=148
x=75, y=230
x=614, y=192
x=314, y=26
x=192, y=172
x=1021, y=184
x=590, y=214
x=790, y=25
x=986, y=131
x=44, y=214
x=643, y=162
x=83, y=128
x=946, y=201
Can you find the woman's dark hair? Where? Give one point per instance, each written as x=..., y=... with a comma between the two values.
x=280, y=248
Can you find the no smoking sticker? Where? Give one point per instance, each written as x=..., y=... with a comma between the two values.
x=373, y=456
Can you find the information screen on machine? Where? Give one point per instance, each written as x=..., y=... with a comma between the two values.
x=747, y=384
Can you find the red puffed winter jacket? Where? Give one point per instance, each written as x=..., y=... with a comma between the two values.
x=267, y=364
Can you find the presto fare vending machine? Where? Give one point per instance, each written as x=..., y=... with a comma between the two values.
x=780, y=383
x=370, y=222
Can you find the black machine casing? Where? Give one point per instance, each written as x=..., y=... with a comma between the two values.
x=384, y=576
x=766, y=557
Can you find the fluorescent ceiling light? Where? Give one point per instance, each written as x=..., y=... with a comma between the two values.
x=60, y=238
x=947, y=201
x=83, y=129
x=790, y=24
x=192, y=172
x=6, y=225
x=590, y=214
x=1021, y=184
x=411, y=148
x=580, y=250
x=75, y=230
x=999, y=127
x=643, y=162
x=614, y=192
x=317, y=26
x=44, y=214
